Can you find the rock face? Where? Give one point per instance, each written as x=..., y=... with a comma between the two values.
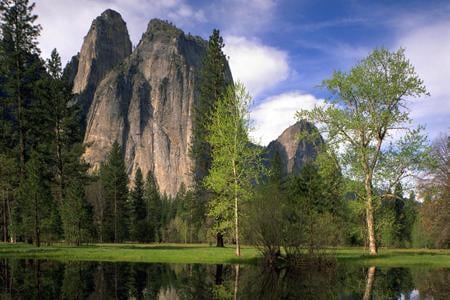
x=144, y=100
x=106, y=45
x=146, y=104
x=294, y=153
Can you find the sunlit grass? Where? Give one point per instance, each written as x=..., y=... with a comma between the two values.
x=205, y=254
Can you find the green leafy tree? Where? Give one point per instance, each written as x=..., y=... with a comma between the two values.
x=367, y=107
x=138, y=214
x=236, y=164
x=434, y=213
x=154, y=206
x=115, y=184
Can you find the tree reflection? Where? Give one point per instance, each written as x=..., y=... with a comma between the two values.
x=35, y=279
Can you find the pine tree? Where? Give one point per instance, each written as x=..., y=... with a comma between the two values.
x=115, y=181
x=66, y=140
x=22, y=69
x=276, y=170
x=8, y=185
x=35, y=199
x=153, y=203
x=212, y=87
x=138, y=212
x=76, y=214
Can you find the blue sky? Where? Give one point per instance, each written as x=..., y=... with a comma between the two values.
x=282, y=50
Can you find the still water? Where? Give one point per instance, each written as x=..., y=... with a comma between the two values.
x=43, y=279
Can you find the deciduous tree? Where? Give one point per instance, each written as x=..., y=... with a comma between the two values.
x=236, y=163
x=366, y=108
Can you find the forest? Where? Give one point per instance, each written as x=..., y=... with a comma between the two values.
x=364, y=187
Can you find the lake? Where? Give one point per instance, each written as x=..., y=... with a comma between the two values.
x=45, y=279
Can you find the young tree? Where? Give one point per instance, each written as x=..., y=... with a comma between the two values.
x=236, y=163
x=367, y=108
x=138, y=213
x=153, y=204
x=115, y=183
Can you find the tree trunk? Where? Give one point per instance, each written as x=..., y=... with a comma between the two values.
x=115, y=215
x=36, y=225
x=369, y=217
x=60, y=161
x=369, y=285
x=219, y=272
x=236, y=212
x=236, y=282
x=5, y=217
x=12, y=236
x=219, y=238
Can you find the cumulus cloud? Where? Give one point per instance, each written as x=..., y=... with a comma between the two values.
x=277, y=113
x=428, y=48
x=66, y=22
x=258, y=66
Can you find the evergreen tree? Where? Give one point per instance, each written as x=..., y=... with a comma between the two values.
x=76, y=214
x=21, y=69
x=213, y=83
x=302, y=210
x=115, y=182
x=66, y=140
x=276, y=170
x=8, y=185
x=154, y=208
x=35, y=200
x=212, y=87
x=138, y=213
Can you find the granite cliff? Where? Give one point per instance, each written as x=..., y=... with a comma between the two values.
x=144, y=99
x=294, y=153
x=105, y=46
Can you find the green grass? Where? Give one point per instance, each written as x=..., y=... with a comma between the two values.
x=396, y=257
x=152, y=253
x=201, y=253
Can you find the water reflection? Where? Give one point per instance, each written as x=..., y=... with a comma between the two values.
x=40, y=279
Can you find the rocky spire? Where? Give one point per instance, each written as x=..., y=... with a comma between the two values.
x=105, y=46
x=294, y=152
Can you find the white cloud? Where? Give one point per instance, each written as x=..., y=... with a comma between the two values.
x=258, y=66
x=428, y=48
x=66, y=22
x=237, y=17
x=277, y=113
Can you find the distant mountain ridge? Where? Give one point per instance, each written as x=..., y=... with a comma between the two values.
x=144, y=98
